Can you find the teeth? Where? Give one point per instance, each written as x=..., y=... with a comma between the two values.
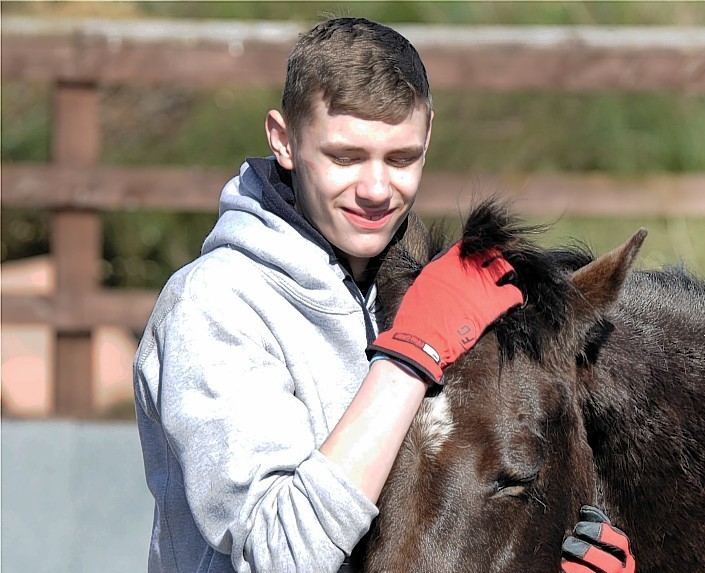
x=376, y=217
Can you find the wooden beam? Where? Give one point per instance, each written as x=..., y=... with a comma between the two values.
x=572, y=69
x=73, y=389
x=75, y=242
x=583, y=194
x=111, y=188
x=214, y=54
x=46, y=59
x=76, y=314
x=197, y=190
x=76, y=238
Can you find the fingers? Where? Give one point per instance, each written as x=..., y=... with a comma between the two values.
x=488, y=265
x=573, y=567
x=487, y=257
x=592, y=513
x=503, y=274
x=596, y=545
x=511, y=278
x=604, y=534
x=496, y=265
x=599, y=559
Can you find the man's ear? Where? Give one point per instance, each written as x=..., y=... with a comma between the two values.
x=279, y=141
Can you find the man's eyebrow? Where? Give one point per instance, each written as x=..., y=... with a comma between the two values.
x=409, y=150
x=342, y=147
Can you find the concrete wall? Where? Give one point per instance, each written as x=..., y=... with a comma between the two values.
x=74, y=498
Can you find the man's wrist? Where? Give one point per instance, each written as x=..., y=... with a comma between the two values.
x=406, y=367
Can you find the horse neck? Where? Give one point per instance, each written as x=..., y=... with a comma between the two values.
x=645, y=410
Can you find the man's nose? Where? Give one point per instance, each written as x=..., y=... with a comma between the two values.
x=375, y=184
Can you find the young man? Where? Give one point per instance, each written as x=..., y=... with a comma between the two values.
x=267, y=434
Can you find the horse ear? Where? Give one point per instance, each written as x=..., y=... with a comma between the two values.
x=598, y=284
x=417, y=239
x=402, y=263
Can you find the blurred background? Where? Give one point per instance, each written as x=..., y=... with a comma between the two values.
x=624, y=134
x=632, y=137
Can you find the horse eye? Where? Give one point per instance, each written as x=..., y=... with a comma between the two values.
x=512, y=486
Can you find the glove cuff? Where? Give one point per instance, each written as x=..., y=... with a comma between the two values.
x=410, y=350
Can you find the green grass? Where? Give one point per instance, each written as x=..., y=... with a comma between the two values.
x=26, y=121
x=624, y=134
x=639, y=13
x=616, y=133
x=509, y=13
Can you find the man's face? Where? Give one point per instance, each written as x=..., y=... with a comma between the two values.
x=356, y=180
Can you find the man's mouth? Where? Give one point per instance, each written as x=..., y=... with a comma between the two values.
x=365, y=218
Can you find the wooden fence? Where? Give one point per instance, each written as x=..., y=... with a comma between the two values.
x=79, y=56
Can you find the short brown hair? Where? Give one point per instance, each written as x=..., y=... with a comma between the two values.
x=360, y=68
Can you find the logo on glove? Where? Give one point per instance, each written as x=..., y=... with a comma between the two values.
x=465, y=333
x=418, y=343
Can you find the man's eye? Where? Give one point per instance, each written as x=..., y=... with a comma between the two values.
x=342, y=160
x=402, y=161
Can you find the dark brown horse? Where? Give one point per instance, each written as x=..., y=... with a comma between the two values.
x=594, y=392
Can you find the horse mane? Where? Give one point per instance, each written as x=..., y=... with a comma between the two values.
x=541, y=273
x=672, y=286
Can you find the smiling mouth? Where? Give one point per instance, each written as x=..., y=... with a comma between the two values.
x=369, y=216
x=368, y=220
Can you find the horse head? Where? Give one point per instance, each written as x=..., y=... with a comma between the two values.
x=496, y=465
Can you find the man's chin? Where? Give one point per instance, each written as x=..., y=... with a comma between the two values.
x=369, y=252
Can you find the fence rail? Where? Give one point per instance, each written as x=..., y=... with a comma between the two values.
x=110, y=188
x=479, y=58
x=80, y=56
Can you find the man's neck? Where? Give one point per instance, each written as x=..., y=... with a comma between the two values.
x=358, y=268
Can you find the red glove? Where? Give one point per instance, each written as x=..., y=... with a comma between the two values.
x=596, y=545
x=447, y=308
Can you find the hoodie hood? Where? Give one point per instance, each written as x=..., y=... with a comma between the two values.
x=257, y=216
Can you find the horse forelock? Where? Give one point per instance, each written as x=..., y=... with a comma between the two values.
x=542, y=275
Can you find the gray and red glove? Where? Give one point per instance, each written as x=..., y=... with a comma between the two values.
x=596, y=545
x=446, y=309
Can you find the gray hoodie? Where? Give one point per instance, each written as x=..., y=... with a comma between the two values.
x=251, y=355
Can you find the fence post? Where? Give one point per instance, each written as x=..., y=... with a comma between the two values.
x=76, y=243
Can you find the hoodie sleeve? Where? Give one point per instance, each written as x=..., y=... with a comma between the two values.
x=255, y=482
